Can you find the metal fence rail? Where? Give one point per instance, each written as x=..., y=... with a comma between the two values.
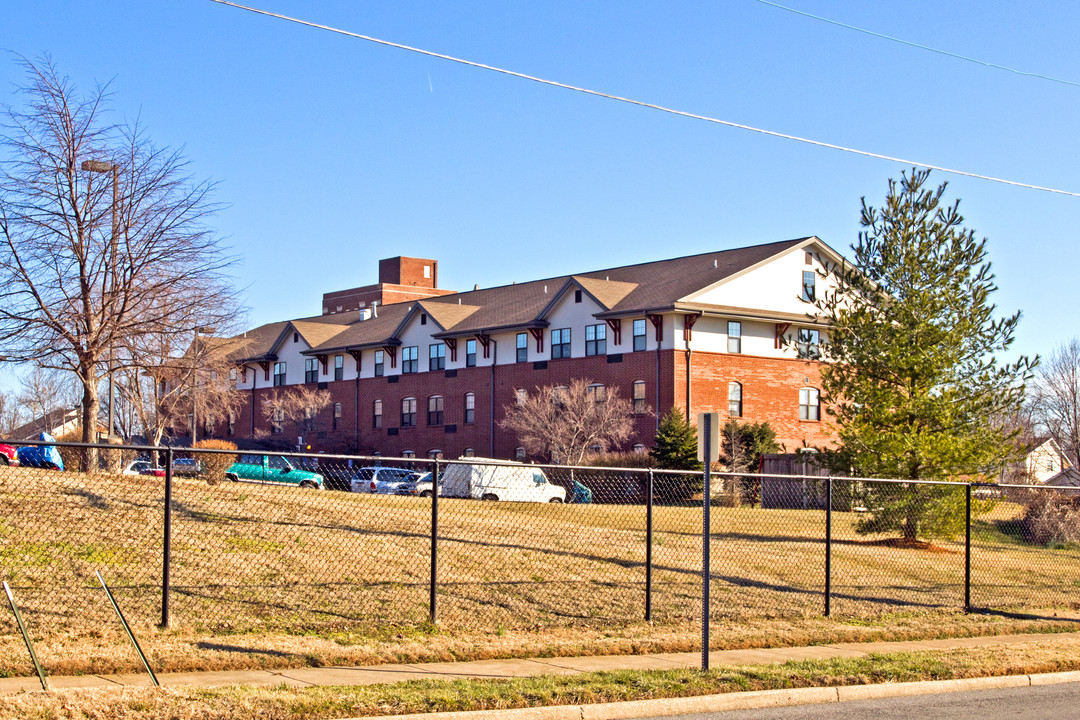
x=197, y=549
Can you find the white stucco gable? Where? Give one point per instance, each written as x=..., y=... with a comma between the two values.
x=776, y=284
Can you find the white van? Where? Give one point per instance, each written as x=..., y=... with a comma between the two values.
x=508, y=481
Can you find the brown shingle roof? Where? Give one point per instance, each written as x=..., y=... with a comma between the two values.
x=630, y=289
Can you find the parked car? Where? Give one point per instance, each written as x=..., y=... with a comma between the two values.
x=8, y=456
x=507, y=481
x=272, y=469
x=41, y=456
x=138, y=466
x=155, y=471
x=419, y=486
x=381, y=480
x=186, y=466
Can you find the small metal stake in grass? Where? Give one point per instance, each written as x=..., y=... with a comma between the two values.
x=26, y=637
x=127, y=627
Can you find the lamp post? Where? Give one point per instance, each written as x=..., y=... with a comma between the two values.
x=195, y=380
x=98, y=166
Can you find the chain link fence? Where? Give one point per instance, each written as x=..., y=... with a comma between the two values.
x=249, y=541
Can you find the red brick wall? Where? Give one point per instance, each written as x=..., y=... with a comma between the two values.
x=408, y=271
x=770, y=392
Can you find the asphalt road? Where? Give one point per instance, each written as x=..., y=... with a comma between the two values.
x=1044, y=702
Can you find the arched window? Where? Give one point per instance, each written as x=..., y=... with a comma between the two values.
x=376, y=414
x=596, y=392
x=276, y=422
x=519, y=453
x=435, y=410
x=434, y=454
x=408, y=454
x=520, y=396
x=640, y=408
x=809, y=404
x=337, y=415
x=470, y=408
x=408, y=412
x=734, y=399
x=639, y=449
x=469, y=452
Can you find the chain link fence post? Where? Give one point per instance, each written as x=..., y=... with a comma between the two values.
x=434, y=539
x=648, y=545
x=967, y=548
x=828, y=546
x=166, y=554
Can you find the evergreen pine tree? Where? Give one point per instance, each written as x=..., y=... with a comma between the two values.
x=675, y=447
x=914, y=380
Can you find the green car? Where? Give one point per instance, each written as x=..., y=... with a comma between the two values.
x=272, y=469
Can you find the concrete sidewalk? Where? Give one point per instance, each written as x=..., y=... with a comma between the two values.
x=488, y=669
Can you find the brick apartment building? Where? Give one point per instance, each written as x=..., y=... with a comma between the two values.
x=414, y=370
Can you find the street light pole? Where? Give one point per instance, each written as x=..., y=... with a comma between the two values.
x=195, y=380
x=97, y=166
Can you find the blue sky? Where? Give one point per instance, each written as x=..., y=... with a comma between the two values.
x=333, y=152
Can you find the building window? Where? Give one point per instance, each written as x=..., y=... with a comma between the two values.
x=639, y=335
x=639, y=449
x=577, y=296
x=435, y=410
x=595, y=340
x=560, y=343
x=519, y=454
x=408, y=412
x=423, y=319
x=734, y=399
x=337, y=416
x=520, y=396
x=380, y=358
x=809, y=404
x=437, y=356
x=434, y=454
x=232, y=424
x=522, y=347
x=470, y=408
x=734, y=337
x=639, y=397
x=296, y=337
x=232, y=375
x=808, y=344
x=277, y=422
x=469, y=452
x=410, y=362
x=809, y=281
x=339, y=367
x=311, y=370
x=596, y=392
x=470, y=353
x=279, y=374
x=376, y=414
x=408, y=454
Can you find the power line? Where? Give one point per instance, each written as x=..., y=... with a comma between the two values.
x=640, y=103
x=909, y=43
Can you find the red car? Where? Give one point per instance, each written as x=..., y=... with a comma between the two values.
x=8, y=456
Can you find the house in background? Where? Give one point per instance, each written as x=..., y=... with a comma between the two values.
x=413, y=369
x=1046, y=460
x=55, y=422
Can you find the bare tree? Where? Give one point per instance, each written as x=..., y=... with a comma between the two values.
x=563, y=423
x=103, y=237
x=297, y=408
x=10, y=415
x=160, y=385
x=1055, y=398
x=41, y=393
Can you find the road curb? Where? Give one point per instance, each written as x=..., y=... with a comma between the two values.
x=750, y=700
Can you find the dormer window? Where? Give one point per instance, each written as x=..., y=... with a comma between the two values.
x=423, y=319
x=577, y=296
x=296, y=337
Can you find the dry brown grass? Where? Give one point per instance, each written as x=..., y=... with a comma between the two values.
x=267, y=576
x=281, y=702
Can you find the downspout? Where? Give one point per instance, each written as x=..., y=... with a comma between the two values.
x=254, y=382
x=491, y=418
x=689, y=353
x=356, y=411
x=659, y=407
